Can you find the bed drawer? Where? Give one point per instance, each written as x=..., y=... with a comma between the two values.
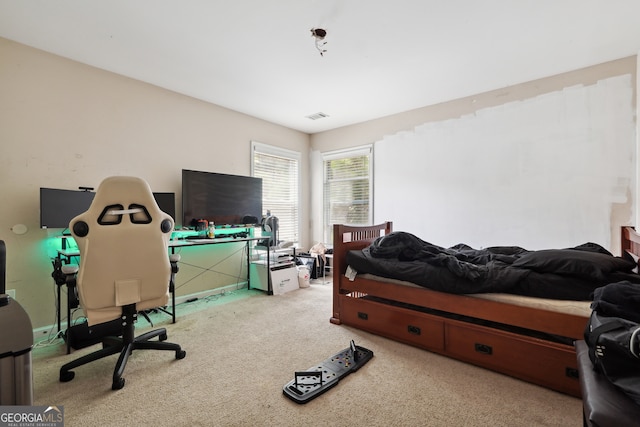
x=541, y=362
x=411, y=327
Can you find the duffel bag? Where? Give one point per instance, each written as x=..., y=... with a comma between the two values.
x=614, y=349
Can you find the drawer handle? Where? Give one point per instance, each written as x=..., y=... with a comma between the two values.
x=484, y=349
x=414, y=330
x=572, y=373
x=363, y=316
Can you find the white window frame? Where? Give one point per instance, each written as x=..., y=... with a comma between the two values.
x=261, y=148
x=366, y=150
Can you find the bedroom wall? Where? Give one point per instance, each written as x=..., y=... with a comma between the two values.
x=64, y=124
x=637, y=209
x=549, y=163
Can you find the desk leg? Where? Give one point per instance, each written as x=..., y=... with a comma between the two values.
x=248, y=266
x=172, y=291
x=269, y=286
x=60, y=280
x=68, y=320
x=58, y=313
x=173, y=306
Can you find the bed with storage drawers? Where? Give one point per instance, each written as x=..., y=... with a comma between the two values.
x=509, y=325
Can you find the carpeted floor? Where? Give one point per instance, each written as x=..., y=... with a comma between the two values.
x=244, y=347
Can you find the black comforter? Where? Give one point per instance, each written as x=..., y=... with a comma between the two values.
x=570, y=274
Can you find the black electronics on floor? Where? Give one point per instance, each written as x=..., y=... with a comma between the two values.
x=81, y=335
x=309, y=384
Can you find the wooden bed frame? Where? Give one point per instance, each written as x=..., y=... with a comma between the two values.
x=514, y=340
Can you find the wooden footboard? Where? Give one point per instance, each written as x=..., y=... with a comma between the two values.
x=515, y=340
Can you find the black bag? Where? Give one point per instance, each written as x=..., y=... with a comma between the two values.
x=614, y=350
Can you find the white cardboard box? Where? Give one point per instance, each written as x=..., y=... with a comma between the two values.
x=284, y=280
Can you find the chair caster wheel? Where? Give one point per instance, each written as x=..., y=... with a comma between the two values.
x=67, y=376
x=118, y=384
x=180, y=354
x=162, y=337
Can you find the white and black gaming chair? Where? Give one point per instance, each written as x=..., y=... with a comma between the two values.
x=124, y=268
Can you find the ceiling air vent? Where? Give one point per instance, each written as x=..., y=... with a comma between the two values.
x=317, y=116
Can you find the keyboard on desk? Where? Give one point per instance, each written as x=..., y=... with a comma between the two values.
x=203, y=239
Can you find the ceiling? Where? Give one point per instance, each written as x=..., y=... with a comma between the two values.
x=382, y=57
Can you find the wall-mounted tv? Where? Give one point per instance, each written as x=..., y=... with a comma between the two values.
x=58, y=207
x=221, y=198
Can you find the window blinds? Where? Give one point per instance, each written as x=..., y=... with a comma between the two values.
x=279, y=170
x=347, y=188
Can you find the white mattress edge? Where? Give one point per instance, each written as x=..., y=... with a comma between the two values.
x=578, y=308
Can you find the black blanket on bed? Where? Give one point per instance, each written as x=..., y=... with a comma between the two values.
x=569, y=274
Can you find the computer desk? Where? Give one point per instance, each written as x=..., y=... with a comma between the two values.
x=66, y=255
x=190, y=242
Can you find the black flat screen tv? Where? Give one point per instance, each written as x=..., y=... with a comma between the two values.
x=221, y=198
x=58, y=207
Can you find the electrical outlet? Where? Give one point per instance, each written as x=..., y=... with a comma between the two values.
x=11, y=293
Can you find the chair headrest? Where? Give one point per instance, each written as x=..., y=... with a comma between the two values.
x=118, y=199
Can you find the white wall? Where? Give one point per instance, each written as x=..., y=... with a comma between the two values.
x=544, y=172
x=545, y=163
x=637, y=210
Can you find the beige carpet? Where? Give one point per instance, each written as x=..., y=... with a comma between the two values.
x=243, y=348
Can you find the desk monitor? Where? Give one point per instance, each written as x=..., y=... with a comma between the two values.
x=59, y=207
x=166, y=203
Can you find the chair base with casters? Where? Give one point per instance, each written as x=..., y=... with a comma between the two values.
x=125, y=346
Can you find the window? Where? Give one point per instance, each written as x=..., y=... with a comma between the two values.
x=347, y=189
x=279, y=170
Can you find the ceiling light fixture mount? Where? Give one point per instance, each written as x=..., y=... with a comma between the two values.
x=319, y=34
